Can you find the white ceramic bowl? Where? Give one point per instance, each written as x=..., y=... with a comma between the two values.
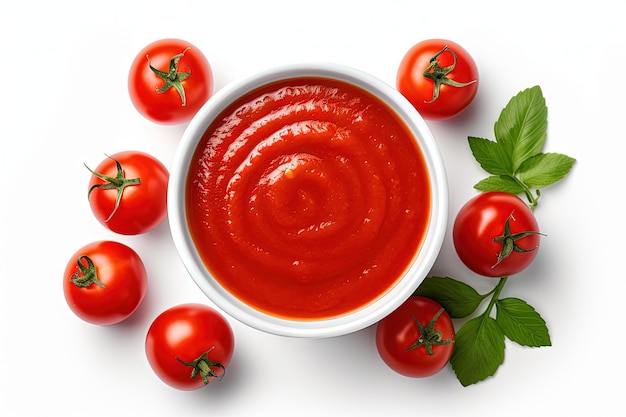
x=336, y=326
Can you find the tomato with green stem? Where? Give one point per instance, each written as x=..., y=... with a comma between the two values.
x=417, y=338
x=169, y=80
x=439, y=77
x=496, y=234
x=128, y=192
x=104, y=282
x=189, y=345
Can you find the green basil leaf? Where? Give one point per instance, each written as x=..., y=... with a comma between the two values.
x=499, y=183
x=459, y=299
x=478, y=350
x=491, y=156
x=521, y=323
x=522, y=126
x=545, y=169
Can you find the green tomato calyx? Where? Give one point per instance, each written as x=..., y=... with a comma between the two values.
x=439, y=74
x=119, y=183
x=203, y=367
x=86, y=274
x=429, y=336
x=509, y=241
x=172, y=78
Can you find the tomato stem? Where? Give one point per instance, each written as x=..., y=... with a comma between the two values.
x=172, y=78
x=119, y=182
x=509, y=241
x=429, y=336
x=86, y=274
x=439, y=75
x=202, y=366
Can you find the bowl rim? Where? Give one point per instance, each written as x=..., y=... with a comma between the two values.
x=352, y=321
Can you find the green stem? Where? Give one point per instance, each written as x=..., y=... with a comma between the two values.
x=439, y=75
x=86, y=274
x=529, y=195
x=119, y=183
x=203, y=367
x=494, y=297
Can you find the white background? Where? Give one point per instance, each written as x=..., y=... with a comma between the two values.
x=63, y=69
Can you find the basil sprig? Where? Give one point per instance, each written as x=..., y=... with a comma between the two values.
x=517, y=165
x=515, y=159
x=479, y=343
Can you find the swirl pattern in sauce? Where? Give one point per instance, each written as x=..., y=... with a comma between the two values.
x=308, y=198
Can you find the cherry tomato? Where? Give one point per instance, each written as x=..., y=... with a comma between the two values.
x=439, y=77
x=128, y=192
x=496, y=234
x=416, y=339
x=104, y=282
x=169, y=80
x=189, y=345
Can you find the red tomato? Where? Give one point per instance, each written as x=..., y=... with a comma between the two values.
x=169, y=80
x=189, y=345
x=417, y=339
x=439, y=77
x=128, y=192
x=496, y=234
x=104, y=282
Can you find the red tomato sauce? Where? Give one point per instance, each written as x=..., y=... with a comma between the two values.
x=308, y=198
